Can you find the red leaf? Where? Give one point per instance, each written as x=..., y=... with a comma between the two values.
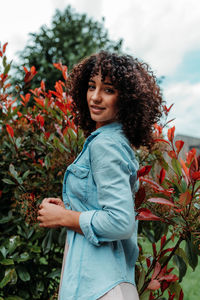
x=62, y=107
x=171, y=296
x=47, y=135
x=161, y=140
x=26, y=98
x=39, y=101
x=166, y=110
x=185, y=198
x=179, y=146
x=172, y=154
x=165, y=251
x=144, y=171
x=144, y=214
x=163, y=240
x=25, y=69
x=151, y=296
x=196, y=175
x=170, y=134
x=169, y=277
x=42, y=84
x=40, y=120
x=10, y=130
x=164, y=285
x=139, y=197
x=181, y=295
x=162, y=175
x=190, y=156
x=154, y=249
x=148, y=261
x=4, y=47
x=19, y=114
x=161, y=201
x=1, y=54
x=154, y=285
x=185, y=169
x=33, y=70
x=156, y=270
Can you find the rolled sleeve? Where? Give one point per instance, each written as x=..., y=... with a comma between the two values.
x=85, y=221
x=116, y=219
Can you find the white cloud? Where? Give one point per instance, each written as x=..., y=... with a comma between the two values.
x=160, y=32
x=186, y=99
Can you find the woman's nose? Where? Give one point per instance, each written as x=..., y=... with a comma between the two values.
x=96, y=96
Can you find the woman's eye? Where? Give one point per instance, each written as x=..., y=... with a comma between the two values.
x=109, y=90
x=91, y=87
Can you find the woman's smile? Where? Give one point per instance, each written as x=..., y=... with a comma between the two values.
x=96, y=109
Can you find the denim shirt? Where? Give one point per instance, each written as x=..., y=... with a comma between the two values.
x=101, y=184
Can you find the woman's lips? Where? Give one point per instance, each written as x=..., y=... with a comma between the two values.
x=96, y=109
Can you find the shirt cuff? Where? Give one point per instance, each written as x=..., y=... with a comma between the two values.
x=85, y=222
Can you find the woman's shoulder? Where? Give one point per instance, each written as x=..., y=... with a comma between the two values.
x=106, y=144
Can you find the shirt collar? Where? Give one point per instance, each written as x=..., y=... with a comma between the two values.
x=109, y=127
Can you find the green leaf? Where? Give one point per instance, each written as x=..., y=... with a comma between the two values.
x=13, y=171
x=197, y=185
x=13, y=298
x=54, y=274
x=182, y=267
x=47, y=241
x=25, y=175
x=7, y=69
x=175, y=288
x=18, y=142
x=191, y=253
x=4, y=62
x=145, y=295
x=14, y=242
x=40, y=286
x=7, y=262
x=47, y=162
x=35, y=249
x=176, y=166
x=197, y=205
x=8, y=181
x=3, y=251
x=23, y=257
x=6, y=219
x=7, y=278
x=23, y=273
x=180, y=252
x=141, y=279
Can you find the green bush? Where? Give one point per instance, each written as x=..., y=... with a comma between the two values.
x=38, y=141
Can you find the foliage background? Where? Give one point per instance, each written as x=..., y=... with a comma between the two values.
x=38, y=141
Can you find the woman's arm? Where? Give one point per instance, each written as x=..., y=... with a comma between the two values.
x=52, y=214
x=112, y=170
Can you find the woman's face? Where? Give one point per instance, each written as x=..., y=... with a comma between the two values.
x=102, y=100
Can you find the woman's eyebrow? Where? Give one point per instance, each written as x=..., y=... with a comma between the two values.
x=104, y=82
x=108, y=83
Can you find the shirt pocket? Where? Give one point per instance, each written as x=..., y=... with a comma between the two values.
x=78, y=182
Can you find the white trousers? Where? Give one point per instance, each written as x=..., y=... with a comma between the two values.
x=123, y=291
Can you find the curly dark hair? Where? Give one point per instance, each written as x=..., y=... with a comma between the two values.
x=139, y=96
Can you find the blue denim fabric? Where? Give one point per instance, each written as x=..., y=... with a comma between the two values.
x=101, y=183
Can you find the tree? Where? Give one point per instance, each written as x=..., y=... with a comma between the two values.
x=71, y=37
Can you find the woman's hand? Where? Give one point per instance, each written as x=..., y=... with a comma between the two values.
x=56, y=201
x=51, y=212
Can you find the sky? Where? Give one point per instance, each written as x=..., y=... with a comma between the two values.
x=163, y=33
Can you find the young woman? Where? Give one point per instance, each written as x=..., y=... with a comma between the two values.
x=117, y=101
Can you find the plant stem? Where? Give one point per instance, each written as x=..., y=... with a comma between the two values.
x=164, y=264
